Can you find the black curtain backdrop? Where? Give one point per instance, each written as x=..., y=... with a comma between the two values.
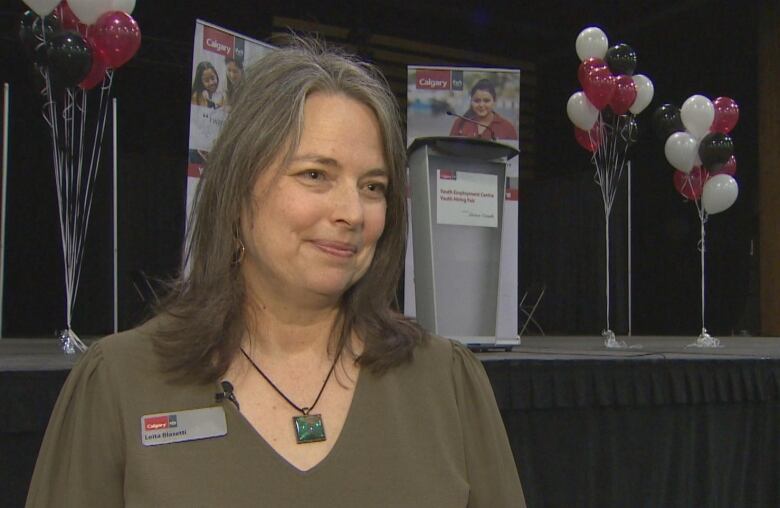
x=704, y=47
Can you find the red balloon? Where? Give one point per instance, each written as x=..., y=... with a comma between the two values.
x=599, y=86
x=589, y=140
x=624, y=96
x=729, y=168
x=586, y=66
x=68, y=20
x=116, y=36
x=691, y=186
x=726, y=115
x=96, y=73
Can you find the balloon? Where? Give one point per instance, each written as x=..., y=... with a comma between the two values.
x=68, y=19
x=719, y=193
x=88, y=11
x=625, y=94
x=680, y=150
x=591, y=42
x=122, y=5
x=715, y=149
x=690, y=186
x=729, y=168
x=589, y=140
x=587, y=66
x=726, y=115
x=581, y=112
x=621, y=59
x=697, y=114
x=70, y=58
x=42, y=7
x=33, y=31
x=117, y=37
x=599, y=86
x=667, y=121
x=96, y=73
x=644, y=93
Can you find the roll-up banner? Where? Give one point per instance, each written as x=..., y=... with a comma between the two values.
x=218, y=60
x=454, y=101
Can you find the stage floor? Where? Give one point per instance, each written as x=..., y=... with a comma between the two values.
x=45, y=354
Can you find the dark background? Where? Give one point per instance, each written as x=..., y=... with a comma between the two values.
x=685, y=47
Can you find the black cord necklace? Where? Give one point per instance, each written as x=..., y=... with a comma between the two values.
x=308, y=427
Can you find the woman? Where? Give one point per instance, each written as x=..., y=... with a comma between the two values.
x=485, y=122
x=276, y=373
x=204, y=86
x=234, y=72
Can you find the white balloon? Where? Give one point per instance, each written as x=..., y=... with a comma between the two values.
x=644, y=93
x=591, y=43
x=697, y=114
x=719, y=193
x=42, y=7
x=88, y=11
x=680, y=150
x=581, y=112
x=123, y=5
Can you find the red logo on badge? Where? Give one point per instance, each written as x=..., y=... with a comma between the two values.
x=218, y=41
x=434, y=79
x=156, y=422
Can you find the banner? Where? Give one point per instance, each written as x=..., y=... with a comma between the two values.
x=470, y=102
x=218, y=60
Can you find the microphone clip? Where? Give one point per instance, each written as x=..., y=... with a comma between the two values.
x=227, y=393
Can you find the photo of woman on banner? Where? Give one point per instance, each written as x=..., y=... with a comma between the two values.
x=482, y=121
x=205, y=86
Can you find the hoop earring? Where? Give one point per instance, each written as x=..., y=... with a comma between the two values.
x=238, y=254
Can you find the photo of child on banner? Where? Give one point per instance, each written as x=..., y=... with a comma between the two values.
x=218, y=62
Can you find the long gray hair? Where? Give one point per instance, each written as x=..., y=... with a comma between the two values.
x=207, y=301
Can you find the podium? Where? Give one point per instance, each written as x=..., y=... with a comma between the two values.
x=458, y=189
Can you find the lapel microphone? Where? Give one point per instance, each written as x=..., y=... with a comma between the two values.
x=227, y=393
x=467, y=119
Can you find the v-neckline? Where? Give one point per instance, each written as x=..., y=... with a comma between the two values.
x=337, y=446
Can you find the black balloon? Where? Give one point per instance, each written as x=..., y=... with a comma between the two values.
x=667, y=121
x=607, y=115
x=621, y=59
x=70, y=59
x=34, y=31
x=715, y=150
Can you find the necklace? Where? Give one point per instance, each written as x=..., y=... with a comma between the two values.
x=308, y=427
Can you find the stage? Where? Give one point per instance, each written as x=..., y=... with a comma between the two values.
x=658, y=424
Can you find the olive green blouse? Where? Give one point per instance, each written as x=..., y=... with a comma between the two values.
x=425, y=434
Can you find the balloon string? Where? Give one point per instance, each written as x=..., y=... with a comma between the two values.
x=703, y=217
x=75, y=174
x=93, y=168
x=610, y=163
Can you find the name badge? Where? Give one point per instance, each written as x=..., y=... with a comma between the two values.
x=189, y=425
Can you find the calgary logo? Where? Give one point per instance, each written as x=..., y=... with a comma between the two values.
x=446, y=174
x=433, y=79
x=217, y=41
x=159, y=422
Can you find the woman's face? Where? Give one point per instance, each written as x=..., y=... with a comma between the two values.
x=482, y=103
x=209, y=80
x=315, y=223
x=234, y=72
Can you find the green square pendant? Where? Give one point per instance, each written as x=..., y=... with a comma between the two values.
x=309, y=428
